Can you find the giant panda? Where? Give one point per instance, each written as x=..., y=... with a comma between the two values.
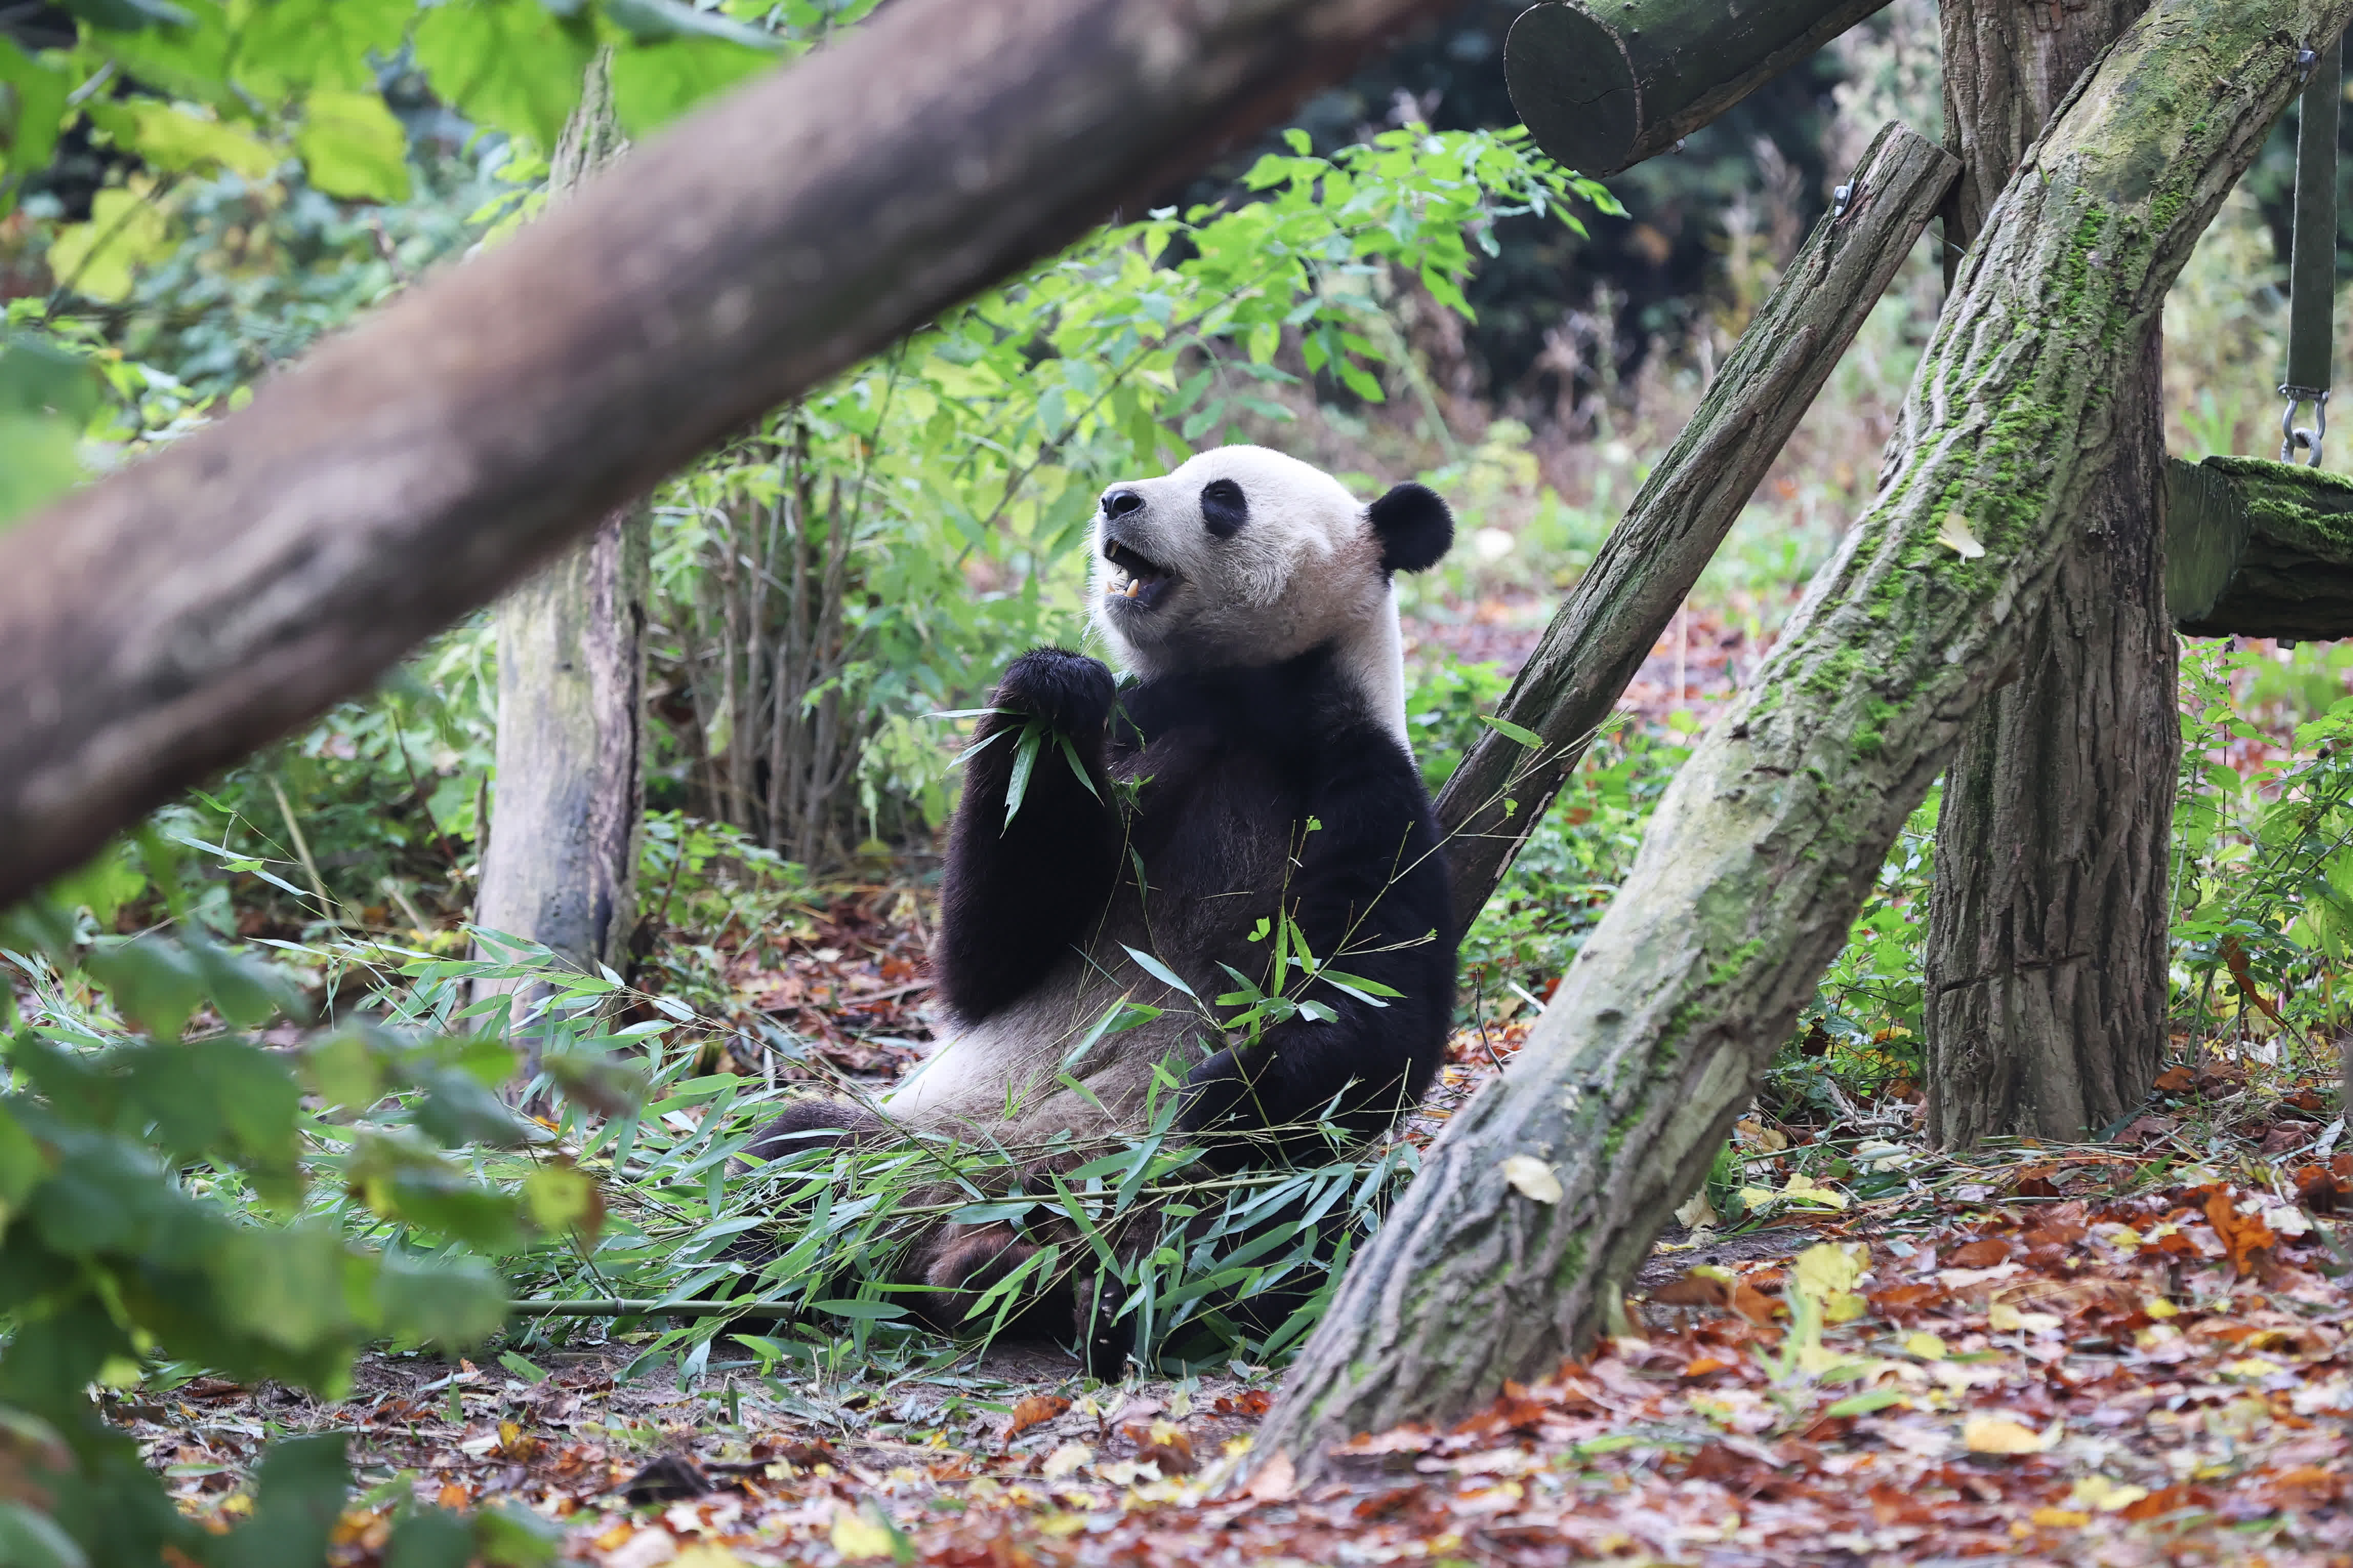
x=1255, y=764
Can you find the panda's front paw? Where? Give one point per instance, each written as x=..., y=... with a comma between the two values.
x=1069, y=690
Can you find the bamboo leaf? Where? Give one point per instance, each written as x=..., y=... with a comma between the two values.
x=1025, y=761
x=1511, y=732
x=1158, y=970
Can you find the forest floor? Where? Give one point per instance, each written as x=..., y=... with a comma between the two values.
x=2128, y=1353
x=2119, y=1353
x=2134, y=1352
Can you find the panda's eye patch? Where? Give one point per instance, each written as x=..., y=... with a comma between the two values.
x=1223, y=508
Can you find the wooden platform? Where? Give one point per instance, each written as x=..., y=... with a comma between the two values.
x=2259, y=549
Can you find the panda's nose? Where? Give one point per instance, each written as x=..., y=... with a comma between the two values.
x=1119, y=503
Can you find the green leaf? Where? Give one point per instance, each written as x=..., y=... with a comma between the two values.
x=297, y=1496
x=169, y=137
x=285, y=1288
x=111, y=878
x=1158, y=970
x=1512, y=731
x=430, y=1538
x=1077, y=768
x=1025, y=760
x=352, y=147
x=32, y=110
x=152, y=980
x=129, y=16
x=455, y=1305
x=523, y=1366
x=512, y=65
x=126, y=230
x=863, y=1311
x=507, y=1535
x=289, y=46
x=1865, y=1404
x=30, y=1539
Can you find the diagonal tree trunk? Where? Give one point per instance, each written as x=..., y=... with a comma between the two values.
x=1545, y=1191
x=1608, y=624
x=560, y=867
x=2046, y=983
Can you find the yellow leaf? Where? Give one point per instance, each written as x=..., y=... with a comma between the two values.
x=2250, y=1366
x=1805, y=1189
x=858, y=1537
x=1927, y=1346
x=2005, y=1434
x=2106, y=1496
x=706, y=1557
x=560, y=1196
x=1534, y=1178
x=2005, y=1319
x=1061, y=1524
x=1068, y=1460
x=1954, y=535
x=2060, y=1518
x=1825, y=1269
x=2158, y=1307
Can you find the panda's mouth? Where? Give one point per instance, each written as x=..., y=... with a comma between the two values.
x=1133, y=580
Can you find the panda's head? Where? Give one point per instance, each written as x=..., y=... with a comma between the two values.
x=1244, y=556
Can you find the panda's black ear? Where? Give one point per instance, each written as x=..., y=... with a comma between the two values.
x=1415, y=527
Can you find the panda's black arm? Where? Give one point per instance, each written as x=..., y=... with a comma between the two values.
x=1016, y=895
x=1369, y=897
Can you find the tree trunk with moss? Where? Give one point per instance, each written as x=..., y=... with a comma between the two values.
x=2045, y=984
x=1546, y=1192
x=1608, y=623
x=560, y=866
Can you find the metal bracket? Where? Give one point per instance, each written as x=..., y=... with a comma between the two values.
x=1840, y=198
x=2295, y=437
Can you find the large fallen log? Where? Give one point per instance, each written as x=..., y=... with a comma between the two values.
x=1544, y=1193
x=2258, y=549
x=1603, y=86
x=1608, y=623
x=223, y=591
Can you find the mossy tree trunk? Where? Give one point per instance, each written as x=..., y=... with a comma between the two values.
x=560, y=867
x=1762, y=849
x=2046, y=983
x=1608, y=624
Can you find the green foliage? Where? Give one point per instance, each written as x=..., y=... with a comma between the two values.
x=2263, y=854
x=159, y=1195
x=953, y=479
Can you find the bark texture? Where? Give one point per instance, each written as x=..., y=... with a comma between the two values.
x=1612, y=619
x=1602, y=87
x=2045, y=973
x=2259, y=549
x=560, y=867
x=1763, y=847
x=227, y=589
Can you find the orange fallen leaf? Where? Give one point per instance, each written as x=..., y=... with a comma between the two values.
x=1034, y=1411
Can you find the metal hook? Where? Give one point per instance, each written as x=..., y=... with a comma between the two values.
x=2295, y=437
x=1840, y=198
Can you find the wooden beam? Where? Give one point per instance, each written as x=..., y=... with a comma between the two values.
x=2258, y=549
x=1602, y=87
x=225, y=590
